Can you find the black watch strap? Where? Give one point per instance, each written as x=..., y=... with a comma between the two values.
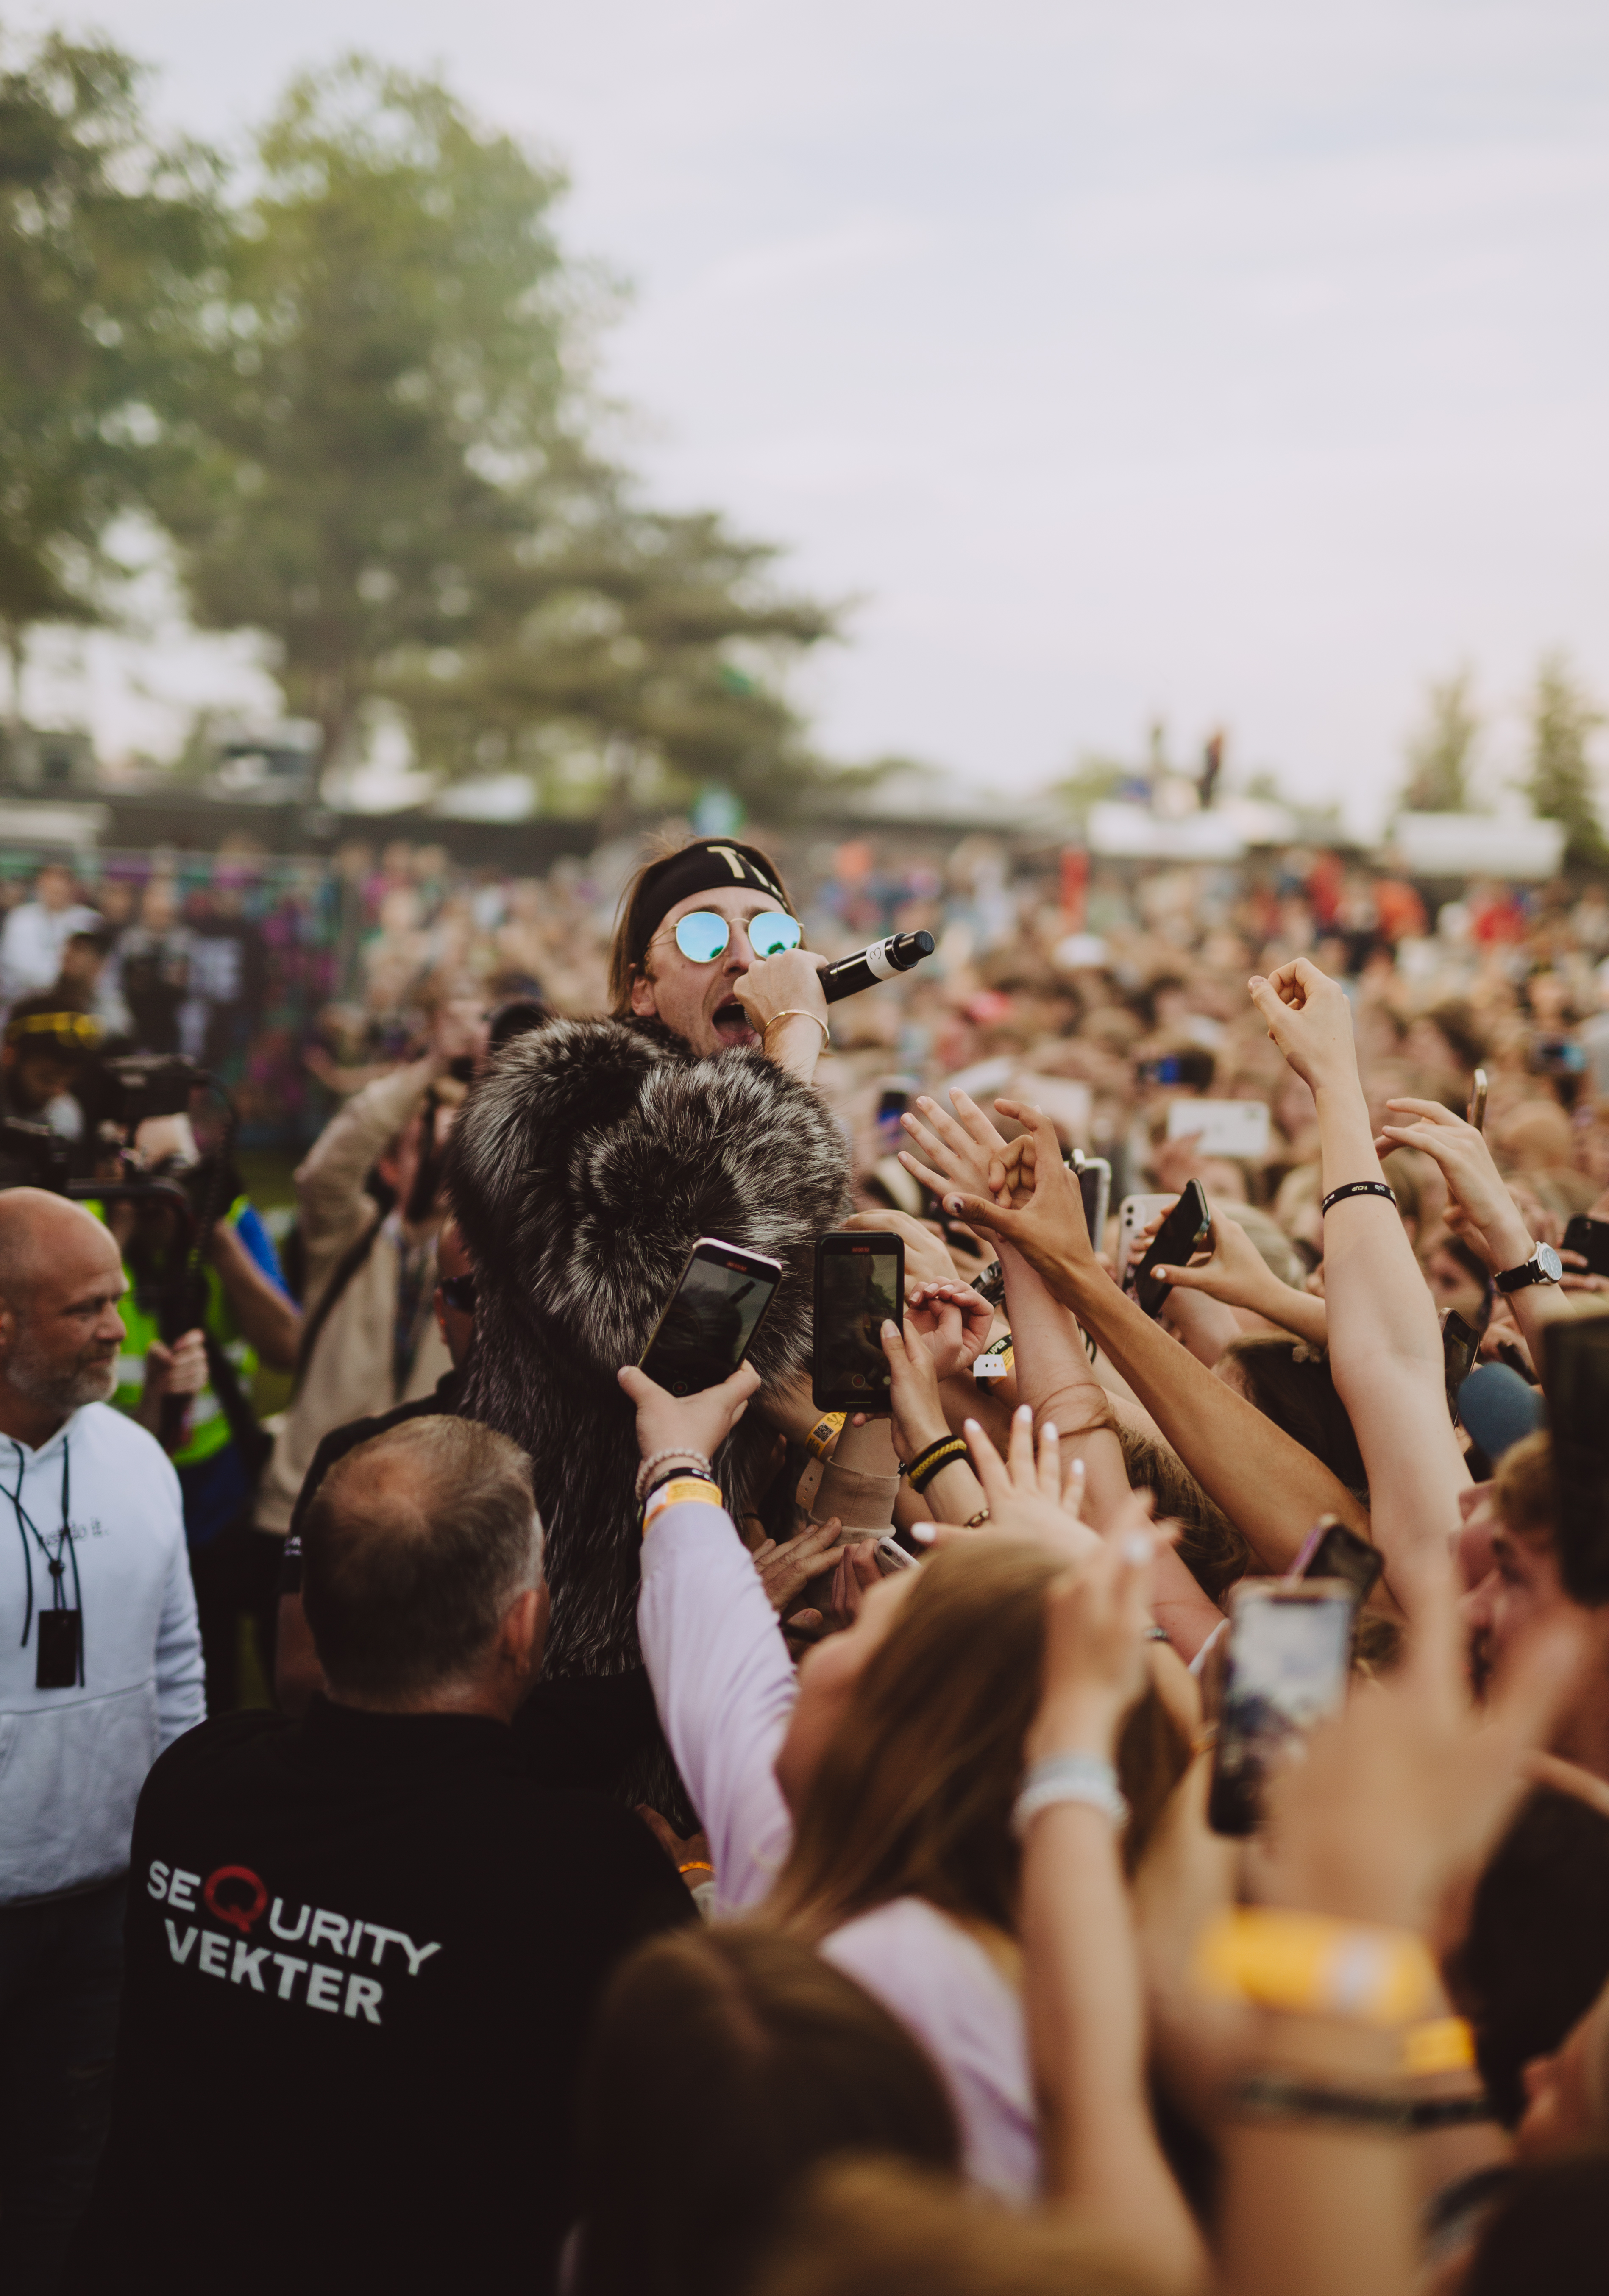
x=1543, y=1267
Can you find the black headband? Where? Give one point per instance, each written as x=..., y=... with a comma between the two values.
x=705, y=867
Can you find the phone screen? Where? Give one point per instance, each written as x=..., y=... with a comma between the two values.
x=1289, y=1650
x=860, y=1282
x=1094, y=1186
x=704, y=1333
x=1179, y=1235
x=1335, y=1552
x=1578, y=1409
x=1591, y=1238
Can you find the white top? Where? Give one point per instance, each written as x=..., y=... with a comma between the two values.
x=31, y=944
x=724, y=1686
x=72, y=1761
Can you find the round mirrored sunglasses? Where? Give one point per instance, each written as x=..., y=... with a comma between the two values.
x=703, y=936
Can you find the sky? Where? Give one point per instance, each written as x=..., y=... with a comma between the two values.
x=1238, y=365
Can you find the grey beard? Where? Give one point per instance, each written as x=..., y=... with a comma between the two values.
x=58, y=1391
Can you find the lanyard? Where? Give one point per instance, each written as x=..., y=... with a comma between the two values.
x=25, y=1524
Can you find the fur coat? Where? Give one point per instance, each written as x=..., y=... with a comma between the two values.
x=584, y=1166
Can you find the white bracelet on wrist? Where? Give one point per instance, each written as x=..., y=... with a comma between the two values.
x=1068, y=1777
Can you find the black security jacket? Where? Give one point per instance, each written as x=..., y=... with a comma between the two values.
x=362, y=1953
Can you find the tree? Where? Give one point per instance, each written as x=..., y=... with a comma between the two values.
x=647, y=661
x=106, y=238
x=393, y=477
x=1439, y=755
x=1560, y=781
x=394, y=383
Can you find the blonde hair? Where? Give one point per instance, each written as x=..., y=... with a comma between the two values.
x=913, y=1797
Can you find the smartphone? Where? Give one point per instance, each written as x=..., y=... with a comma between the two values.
x=892, y=1556
x=712, y=1317
x=1577, y=1382
x=1193, y=1070
x=1290, y=1647
x=1094, y=1185
x=892, y=1103
x=1225, y=1128
x=859, y=1281
x=1331, y=1550
x=1591, y=1238
x=1134, y=1213
x=1558, y=1057
x=1460, y=1342
x=1476, y=1110
x=1181, y=1234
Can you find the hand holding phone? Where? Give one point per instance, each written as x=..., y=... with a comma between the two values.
x=1290, y=1647
x=1179, y=1237
x=859, y=1284
x=1331, y=1550
x=711, y=1319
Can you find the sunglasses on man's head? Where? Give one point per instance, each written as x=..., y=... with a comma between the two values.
x=703, y=936
x=458, y=1292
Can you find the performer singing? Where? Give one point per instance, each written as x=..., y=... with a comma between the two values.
x=584, y=1167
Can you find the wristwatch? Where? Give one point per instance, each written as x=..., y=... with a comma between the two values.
x=1543, y=1267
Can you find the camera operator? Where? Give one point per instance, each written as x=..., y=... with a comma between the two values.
x=366, y=1945
x=45, y=1050
x=249, y=1318
x=587, y=1161
x=370, y=1340
x=100, y=1669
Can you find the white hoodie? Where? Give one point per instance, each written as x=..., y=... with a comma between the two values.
x=72, y=1761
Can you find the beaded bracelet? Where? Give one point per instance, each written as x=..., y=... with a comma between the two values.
x=658, y=1458
x=937, y=1456
x=1068, y=1777
x=1356, y=1188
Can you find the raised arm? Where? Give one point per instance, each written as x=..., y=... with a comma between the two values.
x=1264, y=1481
x=1082, y=1998
x=1385, y=1344
x=1482, y=1210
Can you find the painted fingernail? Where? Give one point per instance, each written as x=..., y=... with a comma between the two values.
x=923, y=1532
x=972, y=1426
x=952, y=1204
x=889, y=1326
x=1025, y=1411
x=1137, y=1546
x=1047, y=1433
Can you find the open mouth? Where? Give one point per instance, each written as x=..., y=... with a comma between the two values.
x=731, y=1024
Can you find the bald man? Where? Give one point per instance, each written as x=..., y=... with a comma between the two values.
x=99, y=1670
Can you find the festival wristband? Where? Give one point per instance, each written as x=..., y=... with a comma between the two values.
x=1307, y=1963
x=997, y=1362
x=1356, y=1188
x=932, y=1462
x=1276, y=2096
x=825, y=1433
x=677, y=1492
x=1440, y=2045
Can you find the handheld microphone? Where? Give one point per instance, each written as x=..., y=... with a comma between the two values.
x=884, y=958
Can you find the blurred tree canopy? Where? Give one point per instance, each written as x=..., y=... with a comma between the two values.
x=357, y=398
x=106, y=240
x=391, y=472
x=1439, y=755
x=1561, y=780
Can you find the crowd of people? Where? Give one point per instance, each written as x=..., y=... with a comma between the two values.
x=1129, y=1814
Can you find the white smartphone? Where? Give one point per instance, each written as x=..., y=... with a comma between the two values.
x=1227, y=1127
x=892, y=1556
x=1134, y=1213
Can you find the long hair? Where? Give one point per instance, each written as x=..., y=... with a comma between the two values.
x=724, y=2064
x=913, y=1796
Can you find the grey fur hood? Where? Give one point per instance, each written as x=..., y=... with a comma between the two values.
x=583, y=1168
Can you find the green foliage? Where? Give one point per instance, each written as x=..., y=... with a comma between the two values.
x=392, y=477
x=1560, y=781
x=1439, y=755
x=1093, y=780
x=105, y=243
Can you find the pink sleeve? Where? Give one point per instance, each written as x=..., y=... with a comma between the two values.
x=724, y=1686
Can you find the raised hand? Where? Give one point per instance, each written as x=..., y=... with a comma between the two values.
x=1032, y=1496
x=785, y=1570
x=1309, y=1020
x=696, y=1425
x=1474, y=1181
x=959, y=1149
x=955, y=1320
x=1048, y=1226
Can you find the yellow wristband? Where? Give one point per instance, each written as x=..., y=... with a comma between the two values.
x=676, y=1492
x=1441, y=2045
x=825, y=1433
x=1307, y=1962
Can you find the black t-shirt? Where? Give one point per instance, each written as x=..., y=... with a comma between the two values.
x=362, y=1952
